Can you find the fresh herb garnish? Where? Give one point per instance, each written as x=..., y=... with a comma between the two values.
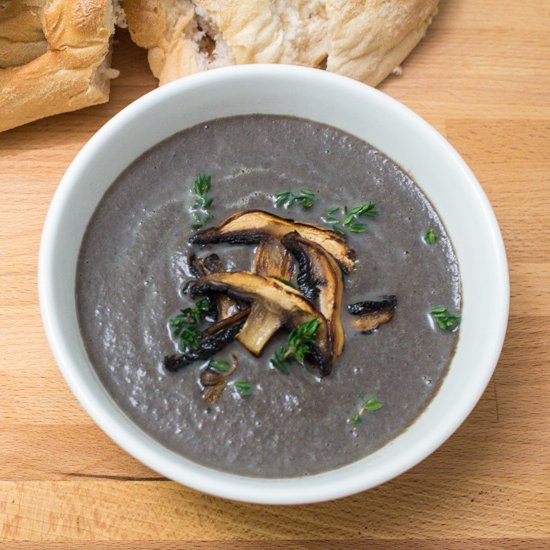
x=203, y=202
x=220, y=366
x=368, y=405
x=300, y=341
x=304, y=197
x=185, y=325
x=284, y=281
x=243, y=387
x=445, y=321
x=349, y=221
x=430, y=237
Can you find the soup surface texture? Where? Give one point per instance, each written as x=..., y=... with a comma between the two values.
x=133, y=265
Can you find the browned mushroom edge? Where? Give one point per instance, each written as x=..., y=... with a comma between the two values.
x=371, y=314
x=214, y=340
x=253, y=226
x=225, y=306
x=320, y=279
x=288, y=306
x=272, y=259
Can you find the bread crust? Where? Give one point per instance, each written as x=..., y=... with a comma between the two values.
x=164, y=28
x=362, y=39
x=74, y=71
x=21, y=36
x=370, y=38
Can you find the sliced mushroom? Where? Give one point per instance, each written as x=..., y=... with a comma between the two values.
x=215, y=339
x=320, y=279
x=214, y=382
x=222, y=324
x=271, y=260
x=225, y=305
x=373, y=313
x=286, y=303
x=261, y=325
x=253, y=226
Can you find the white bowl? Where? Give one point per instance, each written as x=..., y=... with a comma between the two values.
x=339, y=102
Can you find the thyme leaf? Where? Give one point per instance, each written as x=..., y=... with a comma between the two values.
x=368, y=405
x=300, y=342
x=203, y=202
x=350, y=220
x=304, y=197
x=243, y=387
x=185, y=325
x=446, y=321
x=430, y=237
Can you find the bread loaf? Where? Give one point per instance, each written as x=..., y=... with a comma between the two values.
x=55, y=57
x=362, y=39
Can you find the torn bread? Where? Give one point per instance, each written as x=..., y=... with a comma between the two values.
x=362, y=39
x=67, y=69
x=371, y=38
x=21, y=36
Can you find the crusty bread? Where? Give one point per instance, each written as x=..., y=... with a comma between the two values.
x=370, y=38
x=21, y=35
x=67, y=70
x=363, y=39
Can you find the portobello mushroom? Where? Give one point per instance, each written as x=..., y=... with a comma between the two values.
x=253, y=226
x=290, y=307
x=225, y=305
x=320, y=279
x=215, y=338
x=372, y=313
x=271, y=260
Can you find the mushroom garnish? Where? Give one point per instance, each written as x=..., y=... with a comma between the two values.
x=372, y=313
x=214, y=379
x=225, y=305
x=254, y=226
x=215, y=338
x=290, y=307
x=271, y=260
x=320, y=279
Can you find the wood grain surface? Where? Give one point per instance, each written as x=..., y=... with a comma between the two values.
x=482, y=78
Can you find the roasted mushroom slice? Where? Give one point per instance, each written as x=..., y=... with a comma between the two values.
x=271, y=260
x=253, y=226
x=372, y=313
x=260, y=326
x=286, y=303
x=225, y=305
x=216, y=337
x=320, y=279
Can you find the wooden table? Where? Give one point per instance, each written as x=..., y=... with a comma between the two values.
x=482, y=78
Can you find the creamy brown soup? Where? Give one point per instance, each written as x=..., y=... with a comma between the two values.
x=134, y=263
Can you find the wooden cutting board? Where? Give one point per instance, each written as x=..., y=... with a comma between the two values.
x=482, y=78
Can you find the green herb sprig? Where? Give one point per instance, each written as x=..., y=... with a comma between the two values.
x=446, y=321
x=349, y=220
x=368, y=405
x=430, y=237
x=203, y=202
x=300, y=342
x=185, y=325
x=243, y=387
x=304, y=197
x=219, y=365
